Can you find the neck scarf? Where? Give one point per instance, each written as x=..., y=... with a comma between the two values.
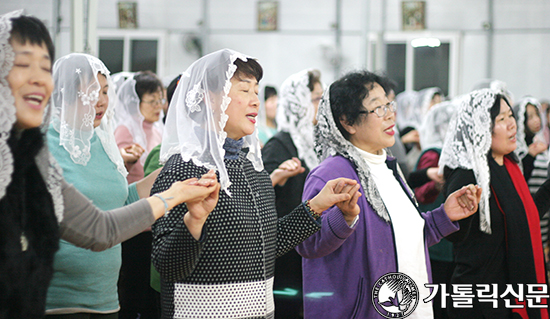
x=295, y=114
x=196, y=117
x=523, y=238
x=50, y=171
x=74, y=98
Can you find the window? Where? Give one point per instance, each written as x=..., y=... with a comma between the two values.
x=131, y=51
x=417, y=60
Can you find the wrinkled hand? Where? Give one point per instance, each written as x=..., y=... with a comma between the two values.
x=286, y=170
x=341, y=191
x=463, y=202
x=349, y=208
x=201, y=206
x=205, y=197
x=537, y=147
x=132, y=153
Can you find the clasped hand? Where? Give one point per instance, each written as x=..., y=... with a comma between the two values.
x=463, y=202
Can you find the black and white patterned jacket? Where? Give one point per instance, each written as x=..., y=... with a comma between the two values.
x=229, y=272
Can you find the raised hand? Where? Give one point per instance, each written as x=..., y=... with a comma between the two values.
x=200, y=207
x=433, y=174
x=349, y=208
x=342, y=191
x=286, y=170
x=463, y=202
x=132, y=153
x=537, y=147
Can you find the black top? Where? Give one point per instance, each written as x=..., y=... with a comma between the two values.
x=486, y=258
x=288, y=268
x=29, y=232
x=232, y=264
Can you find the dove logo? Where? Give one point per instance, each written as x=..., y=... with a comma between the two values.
x=395, y=295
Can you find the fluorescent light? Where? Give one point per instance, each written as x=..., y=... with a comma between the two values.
x=426, y=42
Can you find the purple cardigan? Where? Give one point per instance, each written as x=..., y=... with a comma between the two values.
x=341, y=264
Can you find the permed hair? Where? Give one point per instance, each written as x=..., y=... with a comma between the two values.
x=347, y=95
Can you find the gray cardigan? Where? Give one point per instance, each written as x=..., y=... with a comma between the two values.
x=86, y=226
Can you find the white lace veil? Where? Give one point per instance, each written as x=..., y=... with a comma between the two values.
x=520, y=109
x=73, y=102
x=468, y=142
x=196, y=116
x=407, y=115
x=424, y=99
x=329, y=141
x=120, y=77
x=47, y=165
x=434, y=126
x=295, y=114
x=128, y=114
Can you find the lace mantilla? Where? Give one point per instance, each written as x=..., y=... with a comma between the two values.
x=7, y=101
x=329, y=141
x=77, y=92
x=468, y=142
x=295, y=114
x=52, y=174
x=197, y=116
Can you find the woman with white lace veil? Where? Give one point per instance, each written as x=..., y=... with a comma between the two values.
x=82, y=141
x=139, y=120
x=502, y=243
x=222, y=264
x=430, y=195
x=379, y=232
x=37, y=206
x=298, y=102
x=531, y=144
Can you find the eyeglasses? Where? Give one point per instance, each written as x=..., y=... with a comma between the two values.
x=381, y=110
x=155, y=102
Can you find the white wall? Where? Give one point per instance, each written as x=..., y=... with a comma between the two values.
x=521, y=34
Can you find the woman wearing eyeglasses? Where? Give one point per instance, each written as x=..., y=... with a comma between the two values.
x=139, y=120
x=382, y=231
x=139, y=130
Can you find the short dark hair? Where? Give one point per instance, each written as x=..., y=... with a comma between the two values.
x=250, y=67
x=269, y=91
x=28, y=29
x=313, y=77
x=347, y=95
x=147, y=83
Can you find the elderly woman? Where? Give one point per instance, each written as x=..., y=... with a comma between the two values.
x=300, y=95
x=37, y=206
x=140, y=127
x=222, y=264
x=502, y=243
x=379, y=232
x=139, y=117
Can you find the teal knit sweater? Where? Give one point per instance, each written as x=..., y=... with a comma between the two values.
x=86, y=281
